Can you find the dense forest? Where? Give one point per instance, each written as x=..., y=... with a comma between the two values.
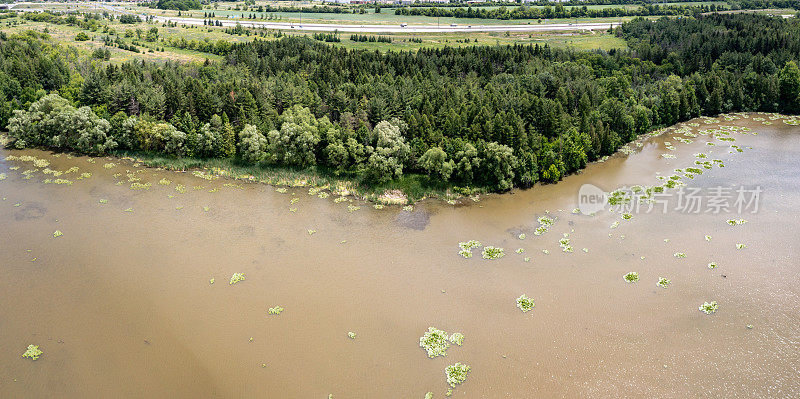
x=483, y=116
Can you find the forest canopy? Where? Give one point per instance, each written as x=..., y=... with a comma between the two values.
x=484, y=116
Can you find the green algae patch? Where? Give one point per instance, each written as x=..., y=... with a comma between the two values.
x=525, y=303
x=457, y=338
x=276, y=310
x=32, y=352
x=631, y=277
x=736, y=222
x=236, y=277
x=709, y=307
x=492, y=253
x=663, y=282
x=435, y=342
x=712, y=265
x=57, y=234
x=456, y=373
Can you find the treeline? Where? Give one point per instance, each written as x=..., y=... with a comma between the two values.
x=180, y=5
x=491, y=116
x=370, y=39
x=559, y=11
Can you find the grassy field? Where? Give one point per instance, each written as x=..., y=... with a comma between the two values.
x=411, y=42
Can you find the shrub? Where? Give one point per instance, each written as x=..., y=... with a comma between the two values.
x=53, y=122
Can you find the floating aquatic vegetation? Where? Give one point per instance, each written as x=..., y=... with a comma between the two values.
x=237, y=277
x=408, y=208
x=351, y=335
x=456, y=373
x=520, y=250
x=679, y=255
x=84, y=175
x=340, y=199
x=527, y=259
x=663, y=282
x=352, y=208
x=206, y=209
x=180, y=188
x=211, y=280
x=294, y=200
x=57, y=234
x=740, y=246
x=429, y=395
x=109, y=165
x=311, y=232
x=457, y=338
x=57, y=181
x=631, y=277
x=276, y=310
x=585, y=250
x=627, y=216
x=164, y=181
x=32, y=352
x=202, y=175
x=103, y=201
x=708, y=238
x=546, y=252
x=281, y=190
x=435, y=342
x=709, y=307
x=491, y=253
x=2, y=176
x=179, y=207
x=292, y=210
x=712, y=265
x=544, y=225
x=323, y=194
x=736, y=222
x=140, y=186
x=525, y=303
x=522, y=236
x=564, y=244
x=615, y=224
x=668, y=156
x=128, y=210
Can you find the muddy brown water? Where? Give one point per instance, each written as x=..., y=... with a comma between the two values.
x=121, y=304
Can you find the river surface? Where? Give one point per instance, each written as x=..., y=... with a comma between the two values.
x=122, y=303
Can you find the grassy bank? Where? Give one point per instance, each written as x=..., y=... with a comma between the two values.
x=409, y=188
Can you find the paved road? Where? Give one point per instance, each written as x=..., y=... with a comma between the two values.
x=415, y=28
